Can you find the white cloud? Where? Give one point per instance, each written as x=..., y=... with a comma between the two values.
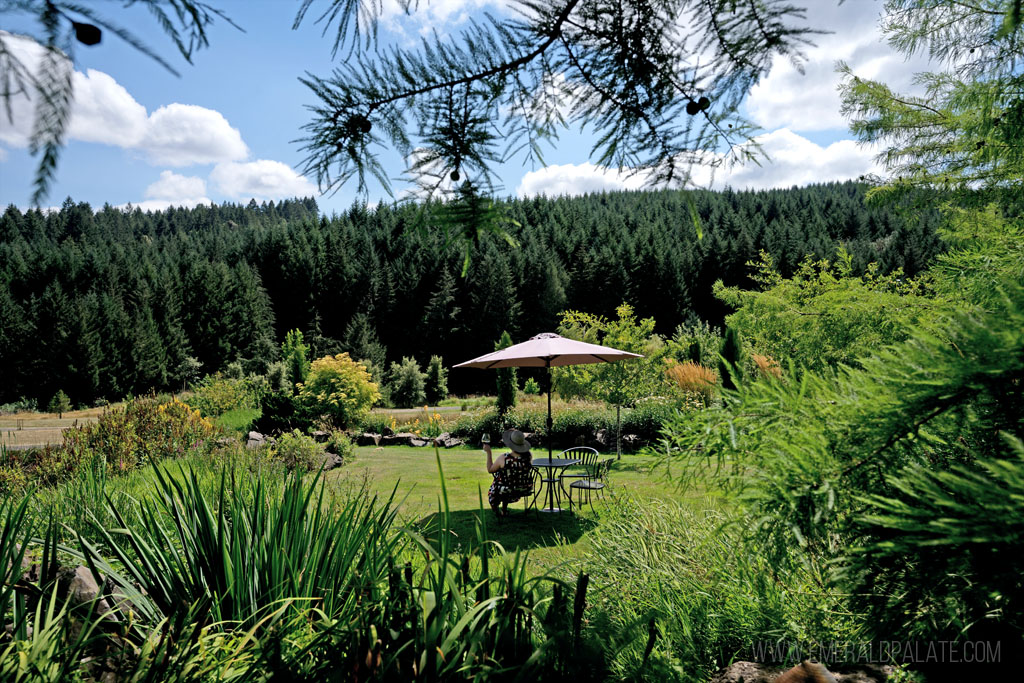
x=104, y=112
x=794, y=160
x=187, y=190
x=261, y=179
x=185, y=134
x=810, y=101
x=576, y=179
x=433, y=15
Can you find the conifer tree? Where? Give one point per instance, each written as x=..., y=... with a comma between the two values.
x=507, y=381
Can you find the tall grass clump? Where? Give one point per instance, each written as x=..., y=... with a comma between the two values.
x=279, y=578
x=685, y=593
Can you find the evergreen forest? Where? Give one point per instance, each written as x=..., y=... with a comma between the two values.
x=106, y=303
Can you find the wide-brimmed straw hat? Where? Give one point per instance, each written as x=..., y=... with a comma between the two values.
x=516, y=440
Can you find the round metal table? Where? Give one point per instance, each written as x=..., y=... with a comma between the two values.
x=553, y=495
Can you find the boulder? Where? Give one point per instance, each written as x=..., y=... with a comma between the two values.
x=255, y=440
x=604, y=439
x=368, y=439
x=807, y=671
x=419, y=442
x=400, y=439
x=80, y=587
x=321, y=436
x=631, y=442
x=446, y=440
x=331, y=461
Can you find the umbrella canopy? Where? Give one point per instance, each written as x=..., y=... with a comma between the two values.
x=548, y=350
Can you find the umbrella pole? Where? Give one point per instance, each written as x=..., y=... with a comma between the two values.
x=549, y=435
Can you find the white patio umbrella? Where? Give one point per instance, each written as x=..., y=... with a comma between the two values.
x=548, y=350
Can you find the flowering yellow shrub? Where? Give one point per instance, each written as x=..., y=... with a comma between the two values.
x=126, y=438
x=338, y=389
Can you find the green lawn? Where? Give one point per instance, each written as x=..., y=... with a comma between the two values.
x=552, y=539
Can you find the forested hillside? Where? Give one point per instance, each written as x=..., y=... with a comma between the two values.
x=102, y=304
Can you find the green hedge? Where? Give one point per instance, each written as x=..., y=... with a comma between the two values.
x=570, y=426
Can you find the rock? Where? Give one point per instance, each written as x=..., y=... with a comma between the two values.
x=331, y=461
x=602, y=438
x=446, y=440
x=400, y=439
x=255, y=440
x=631, y=442
x=224, y=442
x=321, y=436
x=418, y=442
x=9, y=630
x=808, y=671
x=368, y=439
x=80, y=587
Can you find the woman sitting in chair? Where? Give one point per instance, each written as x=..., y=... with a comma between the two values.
x=513, y=471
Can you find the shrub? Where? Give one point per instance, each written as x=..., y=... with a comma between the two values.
x=436, y=381
x=12, y=479
x=218, y=394
x=378, y=423
x=294, y=355
x=693, y=378
x=767, y=366
x=340, y=444
x=298, y=451
x=22, y=405
x=145, y=429
x=281, y=412
x=531, y=387
x=406, y=384
x=730, y=367
x=647, y=418
x=339, y=390
x=277, y=377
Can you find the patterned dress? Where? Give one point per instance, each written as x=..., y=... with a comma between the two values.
x=513, y=481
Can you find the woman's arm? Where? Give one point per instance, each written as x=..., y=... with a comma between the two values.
x=493, y=467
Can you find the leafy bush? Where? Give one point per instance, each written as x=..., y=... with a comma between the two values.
x=436, y=381
x=339, y=390
x=298, y=451
x=341, y=445
x=406, y=384
x=531, y=387
x=12, y=479
x=281, y=412
x=218, y=394
x=144, y=429
x=378, y=423
x=22, y=405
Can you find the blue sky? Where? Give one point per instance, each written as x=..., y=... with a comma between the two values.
x=225, y=130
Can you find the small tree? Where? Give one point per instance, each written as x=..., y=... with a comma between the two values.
x=294, y=352
x=406, y=384
x=620, y=383
x=60, y=403
x=339, y=389
x=436, y=381
x=507, y=382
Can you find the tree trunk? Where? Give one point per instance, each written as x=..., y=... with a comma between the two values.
x=618, y=434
